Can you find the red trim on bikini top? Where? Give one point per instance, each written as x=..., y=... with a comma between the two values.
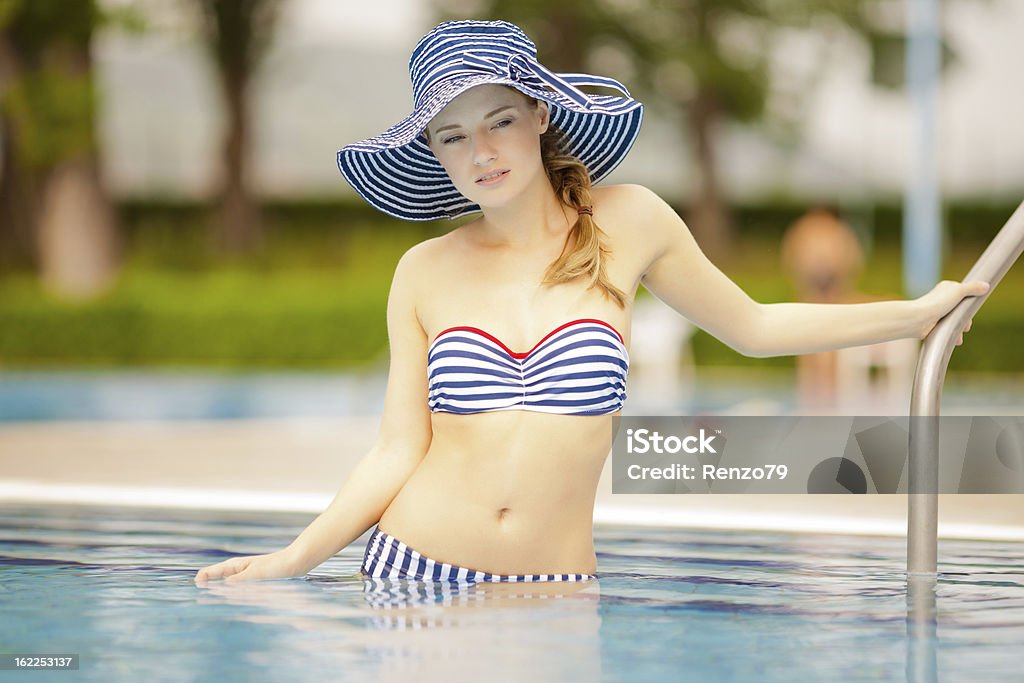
x=546, y=337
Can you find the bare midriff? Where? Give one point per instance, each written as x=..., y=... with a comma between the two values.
x=507, y=492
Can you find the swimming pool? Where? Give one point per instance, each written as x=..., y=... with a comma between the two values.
x=173, y=395
x=115, y=586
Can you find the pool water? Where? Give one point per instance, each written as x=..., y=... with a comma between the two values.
x=144, y=395
x=186, y=395
x=115, y=586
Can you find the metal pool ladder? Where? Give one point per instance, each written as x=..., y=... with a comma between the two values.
x=923, y=475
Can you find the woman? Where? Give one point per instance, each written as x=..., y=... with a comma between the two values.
x=509, y=334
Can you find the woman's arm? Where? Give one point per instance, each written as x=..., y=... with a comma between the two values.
x=795, y=328
x=681, y=275
x=404, y=437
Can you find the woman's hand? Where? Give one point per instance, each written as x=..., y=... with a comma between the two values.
x=943, y=298
x=277, y=565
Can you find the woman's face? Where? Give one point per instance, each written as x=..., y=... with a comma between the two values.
x=488, y=140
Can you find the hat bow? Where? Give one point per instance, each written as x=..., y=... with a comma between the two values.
x=521, y=69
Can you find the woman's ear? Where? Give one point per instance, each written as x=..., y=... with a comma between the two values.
x=545, y=115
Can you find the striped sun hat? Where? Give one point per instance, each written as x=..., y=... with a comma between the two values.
x=397, y=173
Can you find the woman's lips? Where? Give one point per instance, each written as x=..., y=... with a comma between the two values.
x=493, y=178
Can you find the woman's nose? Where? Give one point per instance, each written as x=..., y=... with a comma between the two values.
x=483, y=153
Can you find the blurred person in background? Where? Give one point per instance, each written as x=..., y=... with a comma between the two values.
x=509, y=335
x=823, y=260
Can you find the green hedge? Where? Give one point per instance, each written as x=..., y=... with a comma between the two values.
x=221, y=319
x=314, y=294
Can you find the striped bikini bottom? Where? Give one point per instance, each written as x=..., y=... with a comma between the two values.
x=388, y=558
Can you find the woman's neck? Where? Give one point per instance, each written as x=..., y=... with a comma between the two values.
x=533, y=220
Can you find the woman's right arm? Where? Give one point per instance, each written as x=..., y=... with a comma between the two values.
x=403, y=440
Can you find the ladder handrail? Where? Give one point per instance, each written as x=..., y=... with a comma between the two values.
x=926, y=398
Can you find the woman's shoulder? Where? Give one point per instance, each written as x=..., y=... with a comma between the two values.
x=623, y=192
x=628, y=201
x=627, y=209
x=421, y=259
x=413, y=263
x=640, y=224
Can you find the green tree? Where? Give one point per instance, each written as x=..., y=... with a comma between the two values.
x=710, y=59
x=237, y=34
x=55, y=213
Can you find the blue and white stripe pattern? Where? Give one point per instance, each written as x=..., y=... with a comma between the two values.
x=579, y=368
x=386, y=557
x=397, y=173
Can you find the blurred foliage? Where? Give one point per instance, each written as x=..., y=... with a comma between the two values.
x=49, y=93
x=52, y=112
x=48, y=98
x=238, y=33
x=34, y=25
x=231, y=317
x=314, y=295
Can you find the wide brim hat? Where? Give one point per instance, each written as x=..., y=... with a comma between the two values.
x=397, y=172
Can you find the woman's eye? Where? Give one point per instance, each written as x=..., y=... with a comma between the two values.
x=454, y=138
x=503, y=123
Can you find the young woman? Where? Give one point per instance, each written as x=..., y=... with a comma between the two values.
x=509, y=335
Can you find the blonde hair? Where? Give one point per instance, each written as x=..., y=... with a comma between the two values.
x=588, y=255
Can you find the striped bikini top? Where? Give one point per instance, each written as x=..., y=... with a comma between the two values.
x=579, y=368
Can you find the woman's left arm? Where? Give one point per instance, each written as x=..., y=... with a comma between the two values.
x=795, y=328
x=682, y=276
